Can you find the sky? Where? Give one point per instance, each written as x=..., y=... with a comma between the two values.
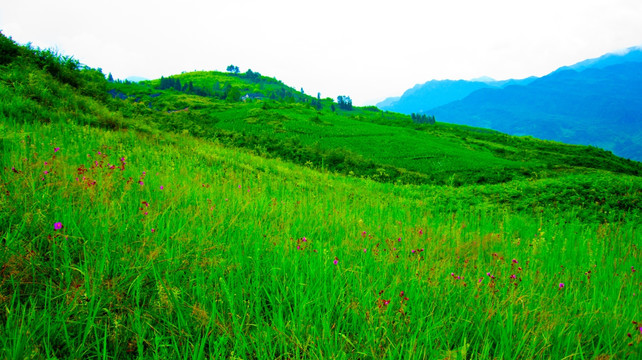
x=365, y=49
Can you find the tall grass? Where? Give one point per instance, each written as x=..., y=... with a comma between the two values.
x=172, y=247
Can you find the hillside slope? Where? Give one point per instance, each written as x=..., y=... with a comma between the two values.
x=131, y=230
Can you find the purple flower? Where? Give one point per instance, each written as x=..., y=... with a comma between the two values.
x=141, y=182
x=56, y=149
x=515, y=261
x=57, y=226
x=304, y=239
x=561, y=285
x=336, y=261
x=487, y=274
x=153, y=230
x=161, y=187
x=513, y=276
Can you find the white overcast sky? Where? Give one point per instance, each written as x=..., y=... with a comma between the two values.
x=368, y=50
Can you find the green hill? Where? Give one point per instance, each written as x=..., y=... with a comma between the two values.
x=140, y=222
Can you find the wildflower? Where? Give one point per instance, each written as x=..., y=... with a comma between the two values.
x=386, y=302
x=56, y=149
x=239, y=186
x=480, y=279
x=304, y=239
x=336, y=261
x=365, y=250
x=363, y=234
x=421, y=232
x=153, y=230
x=46, y=172
x=561, y=285
x=401, y=294
x=141, y=182
x=161, y=187
x=513, y=276
x=413, y=251
x=57, y=226
x=399, y=240
x=487, y=274
x=298, y=247
x=515, y=261
x=46, y=163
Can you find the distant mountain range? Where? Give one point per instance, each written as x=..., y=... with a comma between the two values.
x=594, y=102
x=434, y=93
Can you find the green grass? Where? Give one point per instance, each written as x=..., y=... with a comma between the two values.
x=175, y=244
x=226, y=271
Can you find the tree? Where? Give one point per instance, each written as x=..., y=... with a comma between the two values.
x=233, y=69
x=344, y=102
x=233, y=95
x=110, y=78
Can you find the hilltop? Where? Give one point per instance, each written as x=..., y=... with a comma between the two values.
x=157, y=220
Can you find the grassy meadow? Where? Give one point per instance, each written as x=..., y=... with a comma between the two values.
x=126, y=234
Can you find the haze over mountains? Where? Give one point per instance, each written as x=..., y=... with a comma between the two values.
x=594, y=102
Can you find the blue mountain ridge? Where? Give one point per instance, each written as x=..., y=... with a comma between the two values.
x=594, y=102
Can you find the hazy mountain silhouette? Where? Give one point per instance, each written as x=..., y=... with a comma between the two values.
x=594, y=102
x=595, y=106
x=431, y=94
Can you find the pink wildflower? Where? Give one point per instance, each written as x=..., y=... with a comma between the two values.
x=153, y=230
x=161, y=187
x=336, y=261
x=561, y=285
x=57, y=226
